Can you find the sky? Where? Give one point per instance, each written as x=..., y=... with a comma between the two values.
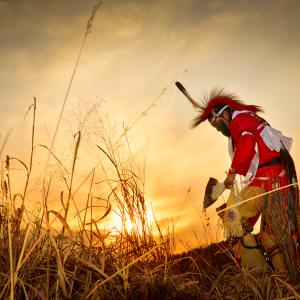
x=125, y=78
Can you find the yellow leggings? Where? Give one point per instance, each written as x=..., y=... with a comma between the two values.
x=251, y=209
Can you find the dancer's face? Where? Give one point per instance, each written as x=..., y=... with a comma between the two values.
x=221, y=123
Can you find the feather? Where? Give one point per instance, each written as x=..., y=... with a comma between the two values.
x=220, y=97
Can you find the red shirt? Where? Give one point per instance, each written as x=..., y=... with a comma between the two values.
x=245, y=135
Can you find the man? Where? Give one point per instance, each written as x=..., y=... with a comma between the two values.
x=260, y=154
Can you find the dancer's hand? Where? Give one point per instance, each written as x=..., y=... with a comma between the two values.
x=229, y=180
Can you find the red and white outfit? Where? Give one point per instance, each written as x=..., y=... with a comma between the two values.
x=259, y=153
x=253, y=146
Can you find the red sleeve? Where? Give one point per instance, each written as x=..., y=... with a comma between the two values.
x=243, y=154
x=242, y=128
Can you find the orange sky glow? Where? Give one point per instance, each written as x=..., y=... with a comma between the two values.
x=125, y=81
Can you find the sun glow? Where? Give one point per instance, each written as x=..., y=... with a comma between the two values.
x=135, y=224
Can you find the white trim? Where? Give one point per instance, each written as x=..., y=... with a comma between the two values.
x=238, y=112
x=246, y=132
x=221, y=110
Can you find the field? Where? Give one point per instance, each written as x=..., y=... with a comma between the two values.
x=62, y=250
x=43, y=257
x=39, y=263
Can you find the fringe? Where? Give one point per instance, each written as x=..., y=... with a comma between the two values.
x=232, y=219
x=283, y=226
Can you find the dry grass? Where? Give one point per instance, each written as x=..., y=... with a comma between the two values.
x=64, y=267
x=37, y=261
x=40, y=262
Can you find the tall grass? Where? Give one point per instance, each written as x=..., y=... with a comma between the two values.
x=42, y=261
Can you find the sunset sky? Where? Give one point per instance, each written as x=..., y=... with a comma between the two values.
x=134, y=54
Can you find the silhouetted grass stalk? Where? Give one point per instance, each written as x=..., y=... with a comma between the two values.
x=87, y=32
x=33, y=106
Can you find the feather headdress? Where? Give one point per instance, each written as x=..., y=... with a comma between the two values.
x=216, y=99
